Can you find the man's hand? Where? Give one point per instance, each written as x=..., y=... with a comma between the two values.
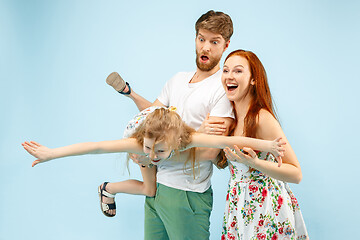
x=142, y=161
x=212, y=126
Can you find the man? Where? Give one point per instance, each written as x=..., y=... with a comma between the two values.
x=183, y=202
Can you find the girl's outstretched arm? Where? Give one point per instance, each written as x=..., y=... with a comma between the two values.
x=213, y=141
x=44, y=154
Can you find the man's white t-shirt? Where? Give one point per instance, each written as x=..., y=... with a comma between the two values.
x=193, y=101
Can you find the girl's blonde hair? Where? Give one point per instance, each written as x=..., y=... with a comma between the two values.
x=164, y=124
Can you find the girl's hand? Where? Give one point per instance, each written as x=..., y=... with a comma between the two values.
x=278, y=150
x=213, y=127
x=42, y=153
x=239, y=156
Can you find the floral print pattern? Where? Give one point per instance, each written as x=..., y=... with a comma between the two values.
x=260, y=207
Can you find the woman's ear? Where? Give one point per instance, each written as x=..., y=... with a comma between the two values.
x=252, y=82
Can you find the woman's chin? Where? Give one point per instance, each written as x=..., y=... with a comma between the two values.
x=232, y=97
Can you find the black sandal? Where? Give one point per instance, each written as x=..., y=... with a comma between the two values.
x=106, y=206
x=116, y=81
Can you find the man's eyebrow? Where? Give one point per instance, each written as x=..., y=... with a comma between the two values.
x=215, y=38
x=212, y=39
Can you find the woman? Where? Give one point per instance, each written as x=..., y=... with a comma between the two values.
x=259, y=203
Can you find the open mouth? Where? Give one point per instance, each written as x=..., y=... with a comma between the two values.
x=204, y=58
x=231, y=87
x=155, y=160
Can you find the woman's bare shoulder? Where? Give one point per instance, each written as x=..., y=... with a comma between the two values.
x=268, y=125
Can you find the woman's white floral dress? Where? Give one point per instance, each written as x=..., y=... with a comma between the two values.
x=260, y=207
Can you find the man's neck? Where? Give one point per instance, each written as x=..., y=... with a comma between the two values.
x=201, y=75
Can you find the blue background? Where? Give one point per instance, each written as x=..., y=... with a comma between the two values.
x=55, y=56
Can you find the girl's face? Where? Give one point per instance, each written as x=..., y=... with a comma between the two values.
x=157, y=152
x=236, y=78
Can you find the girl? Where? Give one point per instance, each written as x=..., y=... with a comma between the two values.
x=259, y=203
x=161, y=136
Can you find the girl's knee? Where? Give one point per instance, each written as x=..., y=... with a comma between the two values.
x=150, y=192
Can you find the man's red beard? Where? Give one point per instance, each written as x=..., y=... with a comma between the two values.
x=209, y=65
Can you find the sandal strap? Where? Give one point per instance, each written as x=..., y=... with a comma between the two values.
x=128, y=92
x=108, y=206
x=105, y=193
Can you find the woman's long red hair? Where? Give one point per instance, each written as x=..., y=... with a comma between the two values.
x=259, y=92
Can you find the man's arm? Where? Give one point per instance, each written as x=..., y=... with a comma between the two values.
x=220, y=123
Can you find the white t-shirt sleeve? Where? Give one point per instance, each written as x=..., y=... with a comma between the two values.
x=165, y=94
x=221, y=106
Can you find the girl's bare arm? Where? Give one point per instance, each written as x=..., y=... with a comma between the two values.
x=214, y=141
x=44, y=154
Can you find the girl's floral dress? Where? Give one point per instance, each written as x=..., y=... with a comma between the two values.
x=260, y=207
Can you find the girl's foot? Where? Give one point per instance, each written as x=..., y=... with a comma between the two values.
x=107, y=201
x=116, y=81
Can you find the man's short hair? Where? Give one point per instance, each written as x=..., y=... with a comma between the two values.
x=216, y=22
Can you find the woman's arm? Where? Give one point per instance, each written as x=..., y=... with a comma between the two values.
x=44, y=154
x=269, y=128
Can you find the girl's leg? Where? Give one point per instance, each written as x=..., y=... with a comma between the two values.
x=147, y=187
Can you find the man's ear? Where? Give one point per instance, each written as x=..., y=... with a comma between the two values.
x=226, y=45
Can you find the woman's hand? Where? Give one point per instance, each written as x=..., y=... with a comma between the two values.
x=247, y=156
x=42, y=153
x=214, y=127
